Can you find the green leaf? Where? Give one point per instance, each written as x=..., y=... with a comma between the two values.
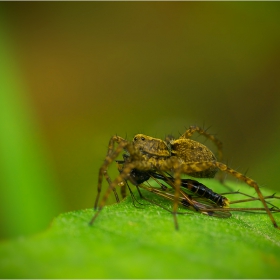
x=130, y=242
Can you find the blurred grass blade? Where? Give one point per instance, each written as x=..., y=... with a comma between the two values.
x=27, y=198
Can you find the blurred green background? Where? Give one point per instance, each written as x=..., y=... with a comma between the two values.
x=74, y=74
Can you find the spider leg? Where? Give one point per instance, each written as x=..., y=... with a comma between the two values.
x=123, y=191
x=175, y=165
x=251, y=183
x=111, y=156
x=106, y=175
x=123, y=184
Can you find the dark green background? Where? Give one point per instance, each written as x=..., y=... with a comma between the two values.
x=74, y=74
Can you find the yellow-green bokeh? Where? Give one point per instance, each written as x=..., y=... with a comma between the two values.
x=28, y=199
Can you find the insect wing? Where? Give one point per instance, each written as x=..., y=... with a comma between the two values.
x=209, y=208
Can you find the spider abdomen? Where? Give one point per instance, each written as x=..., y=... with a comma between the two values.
x=190, y=151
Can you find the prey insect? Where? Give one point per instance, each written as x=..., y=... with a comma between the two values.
x=176, y=156
x=193, y=195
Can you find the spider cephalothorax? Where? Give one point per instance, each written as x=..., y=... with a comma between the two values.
x=182, y=150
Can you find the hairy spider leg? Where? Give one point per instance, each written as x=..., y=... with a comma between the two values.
x=200, y=166
x=108, y=179
x=123, y=191
x=111, y=156
x=177, y=184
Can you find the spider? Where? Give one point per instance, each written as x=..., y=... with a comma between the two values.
x=178, y=156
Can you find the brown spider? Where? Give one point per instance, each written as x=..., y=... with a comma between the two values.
x=179, y=156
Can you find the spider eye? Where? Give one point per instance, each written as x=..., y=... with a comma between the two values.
x=143, y=138
x=135, y=139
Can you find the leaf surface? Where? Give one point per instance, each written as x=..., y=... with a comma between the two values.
x=130, y=242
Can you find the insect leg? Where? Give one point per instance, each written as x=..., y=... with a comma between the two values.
x=251, y=198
